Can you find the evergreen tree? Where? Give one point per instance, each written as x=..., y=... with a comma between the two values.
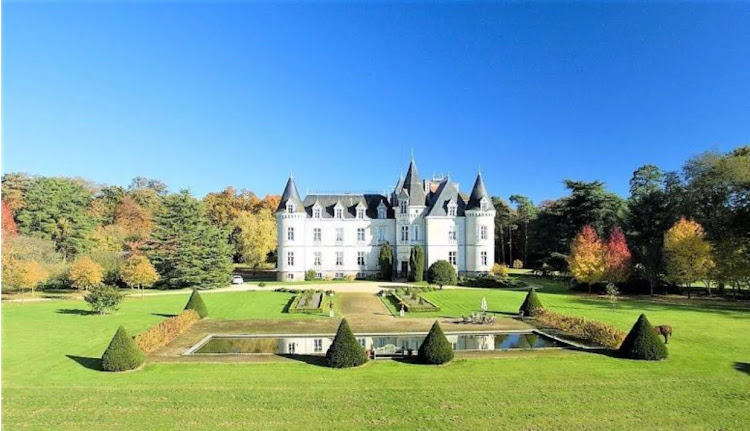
x=385, y=261
x=122, y=354
x=416, y=263
x=643, y=343
x=531, y=303
x=345, y=351
x=188, y=250
x=435, y=349
x=196, y=303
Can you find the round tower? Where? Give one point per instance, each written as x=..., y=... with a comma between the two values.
x=290, y=235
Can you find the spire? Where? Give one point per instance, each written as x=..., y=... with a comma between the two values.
x=478, y=192
x=413, y=185
x=291, y=195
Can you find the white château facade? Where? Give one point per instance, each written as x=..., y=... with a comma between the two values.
x=338, y=235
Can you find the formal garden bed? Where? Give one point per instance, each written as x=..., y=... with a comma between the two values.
x=311, y=302
x=412, y=301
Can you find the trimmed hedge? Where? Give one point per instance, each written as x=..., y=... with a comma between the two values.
x=196, y=303
x=345, y=351
x=441, y=272
x=435, y=349
x=531, y=303
x=415, y=308
x=166, y=331
x=122, y=354
x=317, y=295
x=416, y=264
x=491, y=281
x=643, y=343
x=581, y=327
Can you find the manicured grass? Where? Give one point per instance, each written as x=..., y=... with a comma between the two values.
x=48, y=382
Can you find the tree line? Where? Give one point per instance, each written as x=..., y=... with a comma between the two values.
x=62, y=232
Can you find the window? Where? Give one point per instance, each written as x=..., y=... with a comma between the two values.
x=361, y=342
x=452, y=234
x=317, y=213
x=483, y=257
x=317, y=258
x=318, y=275
x=292, y=347
x=403, y=206
x=318, y=345
x=452, y=257
x=317, y=234
x=339, y=234
x=360, y=234
x=290, y=276
x=338, y=275
x=290, y=234
x=485, y=205
x=483, y=232
x=415, y=233
x=289, y=207
x=339, y=213
x=381, y=212
x=380, y=233
x=290, y=258
x=404, y=233
x=360, y=213
x=451, y=209
x=361, y=258
x=339, y=258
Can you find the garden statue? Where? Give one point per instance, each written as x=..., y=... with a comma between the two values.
x=401, y=312
x=484, y=304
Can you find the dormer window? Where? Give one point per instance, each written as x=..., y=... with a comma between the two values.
x=339, y=212
x=404, y=206
x=317, y=211
x=452, y=208
x=381, y=211
x=484, y=205
x=360, y=213
x=289, y=207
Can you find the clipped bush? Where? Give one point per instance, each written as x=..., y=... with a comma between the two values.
x=122, y=354
x=166, y=331
x=104, y=299
x=310, y=275
x=500, y=270
x=581, y=327
x=441, y=272
x=531, y=303
x=196, y=303
x=345, y=351
x=643, y=343
x=435, y=349
x=416, y=264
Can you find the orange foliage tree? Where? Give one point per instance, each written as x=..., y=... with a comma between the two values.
x=136, y=219
x=687, y=252
x=587, y=257
x=617, y=257
x=9, y=227
x=85, y=273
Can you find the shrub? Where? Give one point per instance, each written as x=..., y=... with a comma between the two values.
x=103, y=299
x=416, y=263
x=122, y=354
x=643, y=343
x=385, y=261
x=531, y=303
x=435, y=349
x=196, y=303
x=262, y=284
x=441, y=273
x=592, y=330
x=310, y=275
x=500, y=270
x=517, y=263
x=350, y=277
x=166, y=331
x=345, y=351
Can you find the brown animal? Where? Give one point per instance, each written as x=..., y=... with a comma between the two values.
x=664, y=330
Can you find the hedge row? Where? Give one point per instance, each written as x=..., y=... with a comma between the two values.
x=491, y=281
x=428, y=306
x=592, y=330
x=166, y=331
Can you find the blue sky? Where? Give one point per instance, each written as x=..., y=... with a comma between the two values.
x=203, y=96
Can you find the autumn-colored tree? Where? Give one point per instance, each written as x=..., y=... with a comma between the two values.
x=617, y=257
x=21, y=274
x=587, y=257
x=687, y=252
x=270, y=202
x=85, y=273
x=138, y=272
x=9, y=227
x=109, y=238
x=136, y=220
x=256, y=236
x=224, y=208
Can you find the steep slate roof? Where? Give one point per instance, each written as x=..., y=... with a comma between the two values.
x=290, y=194
x=350, y=202
x=446, y=192
x=477, y=193
x=414, y=186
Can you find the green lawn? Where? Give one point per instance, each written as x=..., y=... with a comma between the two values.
x=47, y=349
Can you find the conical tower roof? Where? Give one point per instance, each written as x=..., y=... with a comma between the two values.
x=477, y=193
x=413, y=185
x=291, y=195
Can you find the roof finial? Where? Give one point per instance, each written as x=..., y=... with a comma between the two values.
x=291, y=177
x=412, y=154
x=479, y=169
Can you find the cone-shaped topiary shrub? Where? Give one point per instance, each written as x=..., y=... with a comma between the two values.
x=345, y=351
x=122, y=354
x=196, y=303
x=643, y=343
x=435, y=349
x=531, y=303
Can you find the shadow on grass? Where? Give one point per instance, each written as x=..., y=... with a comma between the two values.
x=86, y=362
x=309, y=359
x=163, y=315
x=76, y=311
x=742, y=367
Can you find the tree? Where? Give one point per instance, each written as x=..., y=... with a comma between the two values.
x=9, y=227
x=85, y=273
x=143, y=183
x=15, y=185
x=526, y=212
x=416, y=264
x=104, y=205
x=55, y=208
x=196, y=303
x=345, y=351
x=109, y=238
x=19, y=274
x=187, y=250
x=590, y=204
x=503, y=216
x=224, y=208
x=441, y=272
x=138, y=272
x=732, y=264
x=135, y=219
x=688, y=254
x=531, y=303
x=385, y=261
x=122, y=354
x=643, y=343
x=587, y=259
x=616, y=257
x=103, y=299
x=255, y=236
x=435, y=349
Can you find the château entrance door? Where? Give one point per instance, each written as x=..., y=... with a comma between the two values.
x=404, y=269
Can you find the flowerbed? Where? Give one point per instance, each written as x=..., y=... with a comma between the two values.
x=592, y=330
